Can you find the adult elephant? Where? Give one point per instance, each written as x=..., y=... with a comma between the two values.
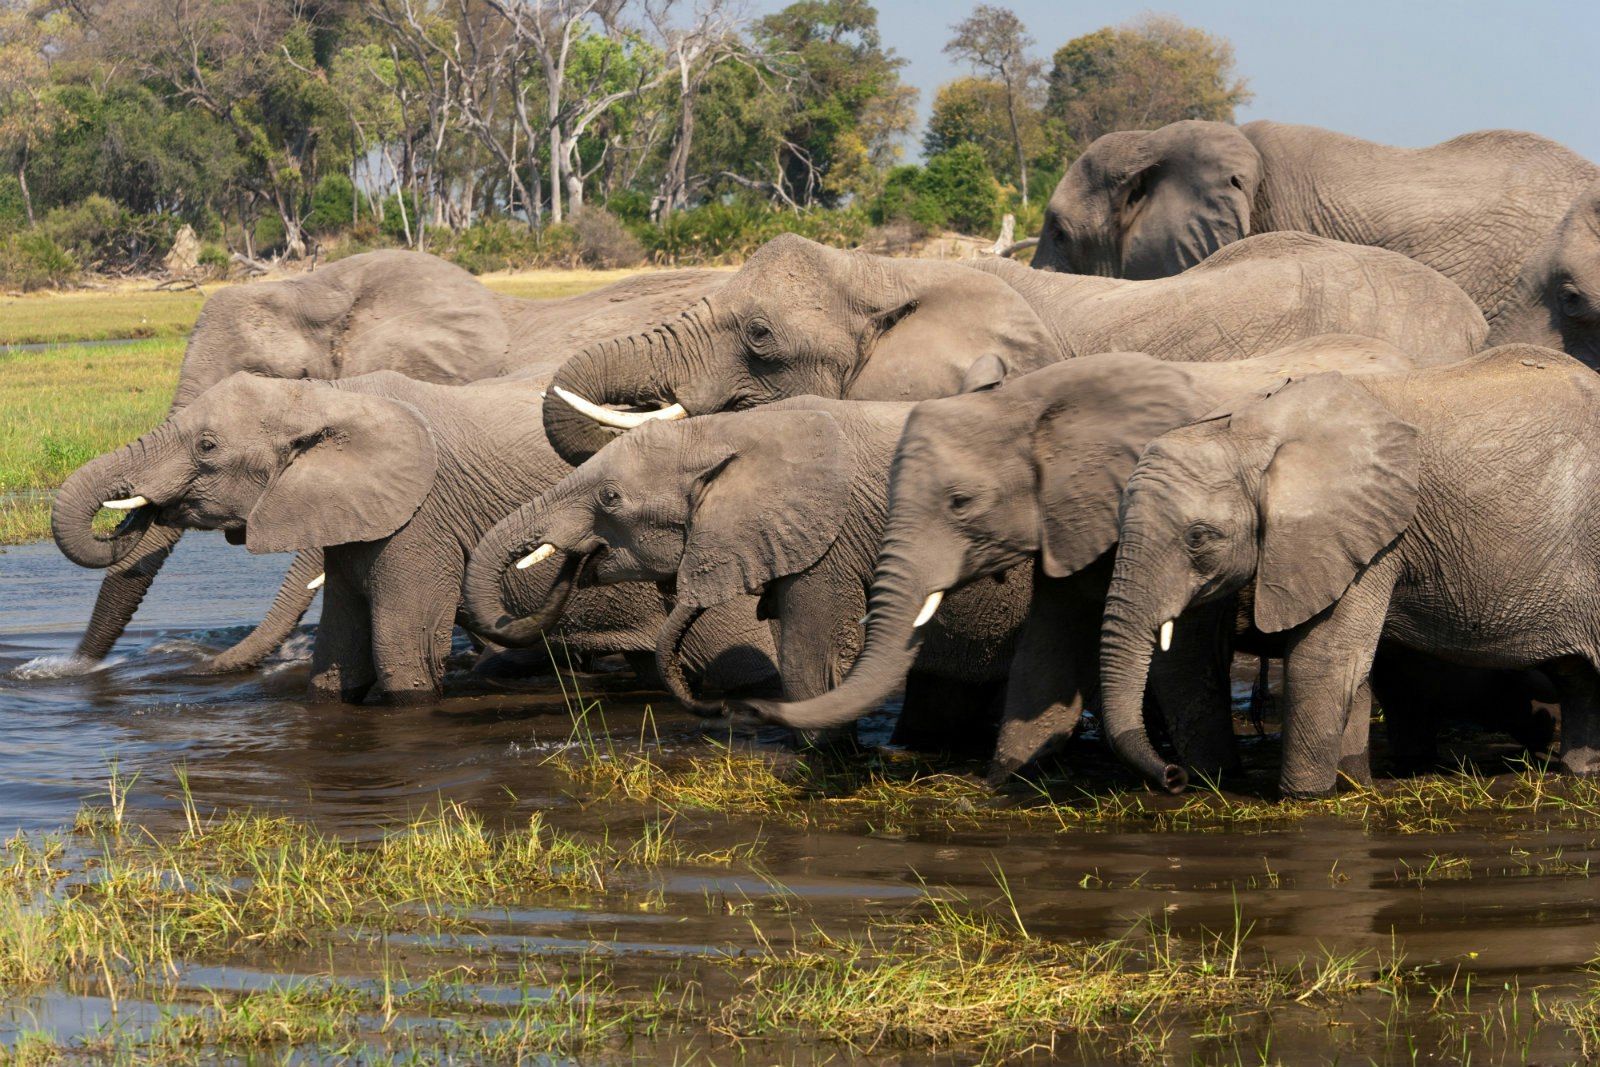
x=1508, y=216
x=800, y=318
x=1446, y=511
x=1027, y=477
x=393, y=479
x=788, y=503
x=389, y=310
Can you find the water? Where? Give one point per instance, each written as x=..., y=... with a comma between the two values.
x=1524, y=913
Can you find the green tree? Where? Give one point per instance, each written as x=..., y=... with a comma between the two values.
x=1139, y=76
x=846, y=106
x=994, y=40
x=973, y=111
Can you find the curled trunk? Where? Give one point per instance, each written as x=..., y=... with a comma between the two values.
x=669, y=660
x=511, y=607
x=113, y=476
x=632, y=370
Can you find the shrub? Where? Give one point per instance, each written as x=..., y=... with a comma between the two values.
x=13, y=210
x=330, y=205
x=602, y=241
x=497, y=244
x=902, y=201
x=960, y=182
x=268, y=234
x=718, y=232
x=632, y=206
x=100, y=233
x=33, y=260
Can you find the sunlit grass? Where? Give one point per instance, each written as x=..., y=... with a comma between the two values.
x=544, y=284
x=99, y=315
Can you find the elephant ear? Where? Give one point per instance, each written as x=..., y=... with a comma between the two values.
x=1101, y=412
x=358, y=467
x=955, y=315
x=1340, y=486
x=770, y=501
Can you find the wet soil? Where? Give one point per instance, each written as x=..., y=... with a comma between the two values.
x=1504, y=902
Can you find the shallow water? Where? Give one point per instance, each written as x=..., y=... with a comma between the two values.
x=1519, y=908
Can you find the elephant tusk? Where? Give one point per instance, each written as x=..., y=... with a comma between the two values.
x=316, y=583
x=621, y=420
x=1166, y=635
x=929, y=606
x=538, y=555
x=125, y=505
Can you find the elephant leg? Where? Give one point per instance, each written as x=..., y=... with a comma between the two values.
x=341, y=654
x=1327, y=664
x=123, y=588
x=1355, y=756
x=818, y=637
x=412, y=622
x=1054, y=672
x=288, y=608
x=1579, y=686
x=1193, y=688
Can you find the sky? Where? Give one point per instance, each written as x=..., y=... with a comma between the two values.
x=1402, y=72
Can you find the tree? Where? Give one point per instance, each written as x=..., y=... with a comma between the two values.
x=29, y=112
x=1139, y=76
x=973, y=111
x=994, y=40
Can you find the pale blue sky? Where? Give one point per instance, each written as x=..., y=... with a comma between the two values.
x=1401, y=72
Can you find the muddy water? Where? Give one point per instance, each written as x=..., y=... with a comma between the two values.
x=1508, y=904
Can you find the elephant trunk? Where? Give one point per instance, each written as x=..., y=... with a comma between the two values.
x=636, y=370
x=123, y=589
x=903, y=600
x=515, y=606
x=294, y=597
x=669, y=659
x=124, y=478
x=1129, y=634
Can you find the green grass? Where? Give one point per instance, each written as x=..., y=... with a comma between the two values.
x=62, y=407
x=98, y=316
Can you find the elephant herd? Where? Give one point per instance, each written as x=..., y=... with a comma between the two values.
x=1275, y=390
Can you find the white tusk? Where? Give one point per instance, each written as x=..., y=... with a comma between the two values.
x=929, y=606
x=1166, y=635
x=316, y=583
x=125, y=505
x=621, y=420
x=538, y=555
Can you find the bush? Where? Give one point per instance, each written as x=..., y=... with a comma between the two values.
x=13, y=210
x=719, y=232
x=330, y=205
x=602, y=241
x=498, y=244
x=632, y=206
x=268, y=234
x=902, y=201
x=33, y=260
x=960, y=182
x=101, y=234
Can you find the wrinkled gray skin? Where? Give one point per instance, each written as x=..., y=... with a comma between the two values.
x=801, y=319
x=787, y=502
x=1447, y=511
x=1032, y=472
x=1510, y=217
x=389, y=310
x=394, y=479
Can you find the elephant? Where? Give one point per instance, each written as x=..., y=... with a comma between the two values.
x=1026, y=477
x=800, y=318
x=1445, y=511
x=394, y=480
x=389, y=310
x=786, y=502
x=1508, y=216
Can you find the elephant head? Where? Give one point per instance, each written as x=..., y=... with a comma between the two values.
x=720, y=507
x=277, y=465
x=799, y=318
x=1151, y=204
x=1297, y=493
x=404, y=311
x=1556, y=300
x=989, y=480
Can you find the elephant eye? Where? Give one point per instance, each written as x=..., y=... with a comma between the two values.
x=1571, y=300
x=610, y=497
x=758, y=333
x=1236, y=182
x=1200, y=536
x=207, y=444
x=960, y=502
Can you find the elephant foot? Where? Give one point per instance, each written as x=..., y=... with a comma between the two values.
x=411, y=696
x=1581, y=763
x=1292, y=793
x=1355, y=772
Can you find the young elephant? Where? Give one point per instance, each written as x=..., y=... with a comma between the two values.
x=786, y=500
x=1447, y=511
x=1033, y=470
x=395, y=479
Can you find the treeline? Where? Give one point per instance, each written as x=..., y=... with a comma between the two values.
x=510, y=132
